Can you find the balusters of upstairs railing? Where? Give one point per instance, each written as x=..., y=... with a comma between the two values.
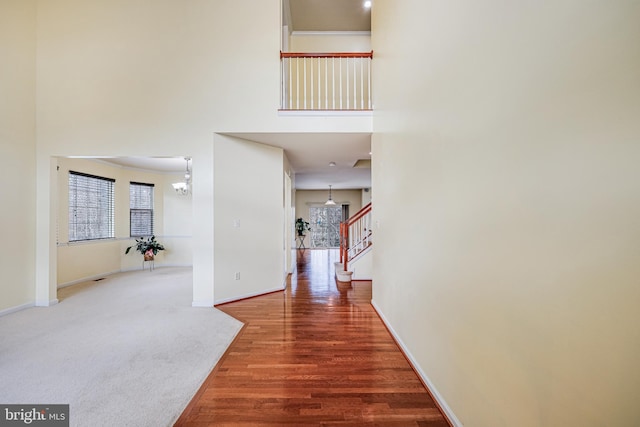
x=308, y=79
x=340, y=80
x=326, y=84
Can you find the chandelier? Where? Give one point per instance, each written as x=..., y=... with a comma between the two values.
x=183, y=188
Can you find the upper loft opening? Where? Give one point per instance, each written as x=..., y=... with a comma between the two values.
x=326, y=56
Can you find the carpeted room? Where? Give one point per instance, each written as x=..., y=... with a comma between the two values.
x=126, y=350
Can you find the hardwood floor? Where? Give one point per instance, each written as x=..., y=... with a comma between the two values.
x=315, y=354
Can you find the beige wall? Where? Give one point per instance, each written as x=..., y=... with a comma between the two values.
x=366, y=197
x=307, y=198
x=329, y=42
x=79, y=261
x=249, y=218
x=177, y=221
x=172, y=63
x=511, y=132
x=17, y=151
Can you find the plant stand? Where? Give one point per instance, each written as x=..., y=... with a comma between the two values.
x=150, y=260
x=301, y=242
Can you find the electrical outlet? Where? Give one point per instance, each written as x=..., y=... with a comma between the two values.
x=236, y=223
x=237, y=276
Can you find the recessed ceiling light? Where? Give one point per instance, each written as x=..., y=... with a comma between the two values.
x=367, y=4
x=332, y=164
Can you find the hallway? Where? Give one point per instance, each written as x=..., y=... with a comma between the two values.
x=316, y=354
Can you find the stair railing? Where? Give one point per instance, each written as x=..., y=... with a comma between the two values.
x=334, y=81
x=355, y=236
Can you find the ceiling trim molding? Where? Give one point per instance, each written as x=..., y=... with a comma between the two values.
x=331, y=33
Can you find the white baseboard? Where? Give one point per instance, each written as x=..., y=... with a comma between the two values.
x=434, y=392
x=203, y=304
x=175, y=264
x=284, y=282
x=16, y=308
x=241, y=297
x=155, y=267
x=86, y=279
x=46, y=303
x=124, y=270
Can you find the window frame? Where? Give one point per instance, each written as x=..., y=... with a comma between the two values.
x=140, y=210
x=94, y=188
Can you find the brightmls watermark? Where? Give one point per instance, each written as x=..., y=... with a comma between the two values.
x=34, y=415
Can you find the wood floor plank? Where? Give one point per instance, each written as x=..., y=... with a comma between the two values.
x=315, y=354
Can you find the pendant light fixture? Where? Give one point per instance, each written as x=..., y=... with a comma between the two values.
x=183, y=188
x=330, y=202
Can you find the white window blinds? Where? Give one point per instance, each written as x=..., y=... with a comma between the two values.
x=140, y=209
x=91, y=207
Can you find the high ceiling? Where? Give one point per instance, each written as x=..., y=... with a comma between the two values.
x=309, y=154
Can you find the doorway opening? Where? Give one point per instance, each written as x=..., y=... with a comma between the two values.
x=325, y=226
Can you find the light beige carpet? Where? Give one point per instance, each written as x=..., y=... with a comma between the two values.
x=128, y=350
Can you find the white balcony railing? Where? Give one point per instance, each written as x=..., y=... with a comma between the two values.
x=326, y=81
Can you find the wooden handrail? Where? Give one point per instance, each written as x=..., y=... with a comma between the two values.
x=362, y=212
x=326, y=54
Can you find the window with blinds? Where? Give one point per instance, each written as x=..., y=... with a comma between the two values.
x=140, y=209
x=91, y=207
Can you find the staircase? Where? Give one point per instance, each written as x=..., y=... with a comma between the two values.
x=355, y=241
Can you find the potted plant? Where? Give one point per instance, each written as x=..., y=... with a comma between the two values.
x=302, y=226
x=147, y=246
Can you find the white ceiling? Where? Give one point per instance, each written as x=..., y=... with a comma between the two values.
x=309, y=154
x=169, y=165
